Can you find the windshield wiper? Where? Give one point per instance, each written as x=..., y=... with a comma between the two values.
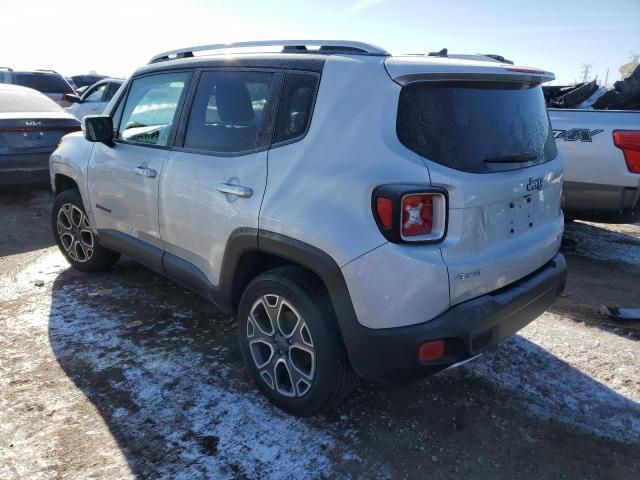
x=516, y=158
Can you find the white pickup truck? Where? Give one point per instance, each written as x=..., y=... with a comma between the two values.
x=601, y=149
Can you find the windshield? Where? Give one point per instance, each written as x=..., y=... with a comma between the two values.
x=476, y=127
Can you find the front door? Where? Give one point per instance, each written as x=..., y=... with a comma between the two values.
x=123, y=177
x=214, y=182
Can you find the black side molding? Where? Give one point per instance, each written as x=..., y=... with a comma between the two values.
x=141, y=251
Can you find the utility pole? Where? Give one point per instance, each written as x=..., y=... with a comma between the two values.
x=586, y=68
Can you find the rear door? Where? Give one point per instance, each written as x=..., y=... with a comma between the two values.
x=488, y=141
x=123, y=177
x=214, y=180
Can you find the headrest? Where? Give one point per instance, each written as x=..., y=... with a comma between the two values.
x=233, y=101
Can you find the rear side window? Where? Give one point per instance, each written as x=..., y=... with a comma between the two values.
x=12, y=101
x=111, y=91
x=95, y=95
x=43, y=82
x=150, y=108
x=231, y=112
x=296, y=105
x=478, y=128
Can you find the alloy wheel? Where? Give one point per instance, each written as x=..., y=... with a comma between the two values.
x=74, y=233
x=281, y=346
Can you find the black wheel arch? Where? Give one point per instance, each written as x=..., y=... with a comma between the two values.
x=251, y=252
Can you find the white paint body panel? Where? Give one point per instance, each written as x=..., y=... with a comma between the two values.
x=80, y=110
x=479, y=244
x=195, y=218
x=598, y=162
x=397, y=285
x=319, y=189
x=132, y=198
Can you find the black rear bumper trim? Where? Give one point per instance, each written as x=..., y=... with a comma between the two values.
x=470, y=328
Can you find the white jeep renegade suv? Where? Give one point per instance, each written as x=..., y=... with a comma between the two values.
x=363, y=215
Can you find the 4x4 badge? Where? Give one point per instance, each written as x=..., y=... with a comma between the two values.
x=535, y=184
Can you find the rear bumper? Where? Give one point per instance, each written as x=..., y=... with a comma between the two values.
x=23, y=169
x=601, y=203
x=470, y=328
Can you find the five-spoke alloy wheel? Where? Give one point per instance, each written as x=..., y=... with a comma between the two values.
x=291, y=343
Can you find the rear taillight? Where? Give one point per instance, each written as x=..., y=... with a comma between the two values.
x=410, y=213
x=384, y=209
x=629, y=142
x=417, y=214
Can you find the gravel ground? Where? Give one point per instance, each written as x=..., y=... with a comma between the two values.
x=126, y=375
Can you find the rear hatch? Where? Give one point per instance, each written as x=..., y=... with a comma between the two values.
x=483, y=129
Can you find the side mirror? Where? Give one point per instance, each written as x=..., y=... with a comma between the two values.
x=72, y=98
x=98, y=128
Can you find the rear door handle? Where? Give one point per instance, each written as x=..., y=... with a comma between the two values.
x=238, y=190
x=146, y=172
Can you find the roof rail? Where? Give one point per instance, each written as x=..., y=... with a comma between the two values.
x=45, y=70
x=9, y=69
x=289, y=46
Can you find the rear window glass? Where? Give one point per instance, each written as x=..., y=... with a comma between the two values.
x=45, y=83
x=296, y=105
x=11, y=101
x=479, y=127
x=230, y=112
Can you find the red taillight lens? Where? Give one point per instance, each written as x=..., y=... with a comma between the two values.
x=417, y=215
x=384, y=209
x=431, y=351
x=629, y=142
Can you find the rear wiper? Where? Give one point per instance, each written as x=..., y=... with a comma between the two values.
x=516, y=158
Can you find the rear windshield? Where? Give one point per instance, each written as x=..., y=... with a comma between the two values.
x=11, y=102
x=479, y=127
x=45, y=83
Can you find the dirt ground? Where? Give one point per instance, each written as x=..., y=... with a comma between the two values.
x=126, y=375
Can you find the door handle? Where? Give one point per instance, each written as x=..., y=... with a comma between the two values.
x=146, y=172
x=238, y=190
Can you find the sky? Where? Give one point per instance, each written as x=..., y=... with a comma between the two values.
x=115, y=37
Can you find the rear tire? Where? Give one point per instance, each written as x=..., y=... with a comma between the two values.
x=291, y=344
x=74, y=236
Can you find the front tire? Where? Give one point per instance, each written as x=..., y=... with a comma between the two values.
x=74, y=236
x=291, y=343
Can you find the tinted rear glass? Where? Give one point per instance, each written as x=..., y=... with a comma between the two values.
x=296, y=105
x=45, y=83
x=479, y=127
x=26, y=102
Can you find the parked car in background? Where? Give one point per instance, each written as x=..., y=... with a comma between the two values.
x=95, y=98
x=87, y=80
x=48, y=82
x=602, y=163
x=410, y=219
x=31, y=126
x=598, y=130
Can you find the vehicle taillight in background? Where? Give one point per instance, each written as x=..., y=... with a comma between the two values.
x=410, y=213
x=629, y=142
